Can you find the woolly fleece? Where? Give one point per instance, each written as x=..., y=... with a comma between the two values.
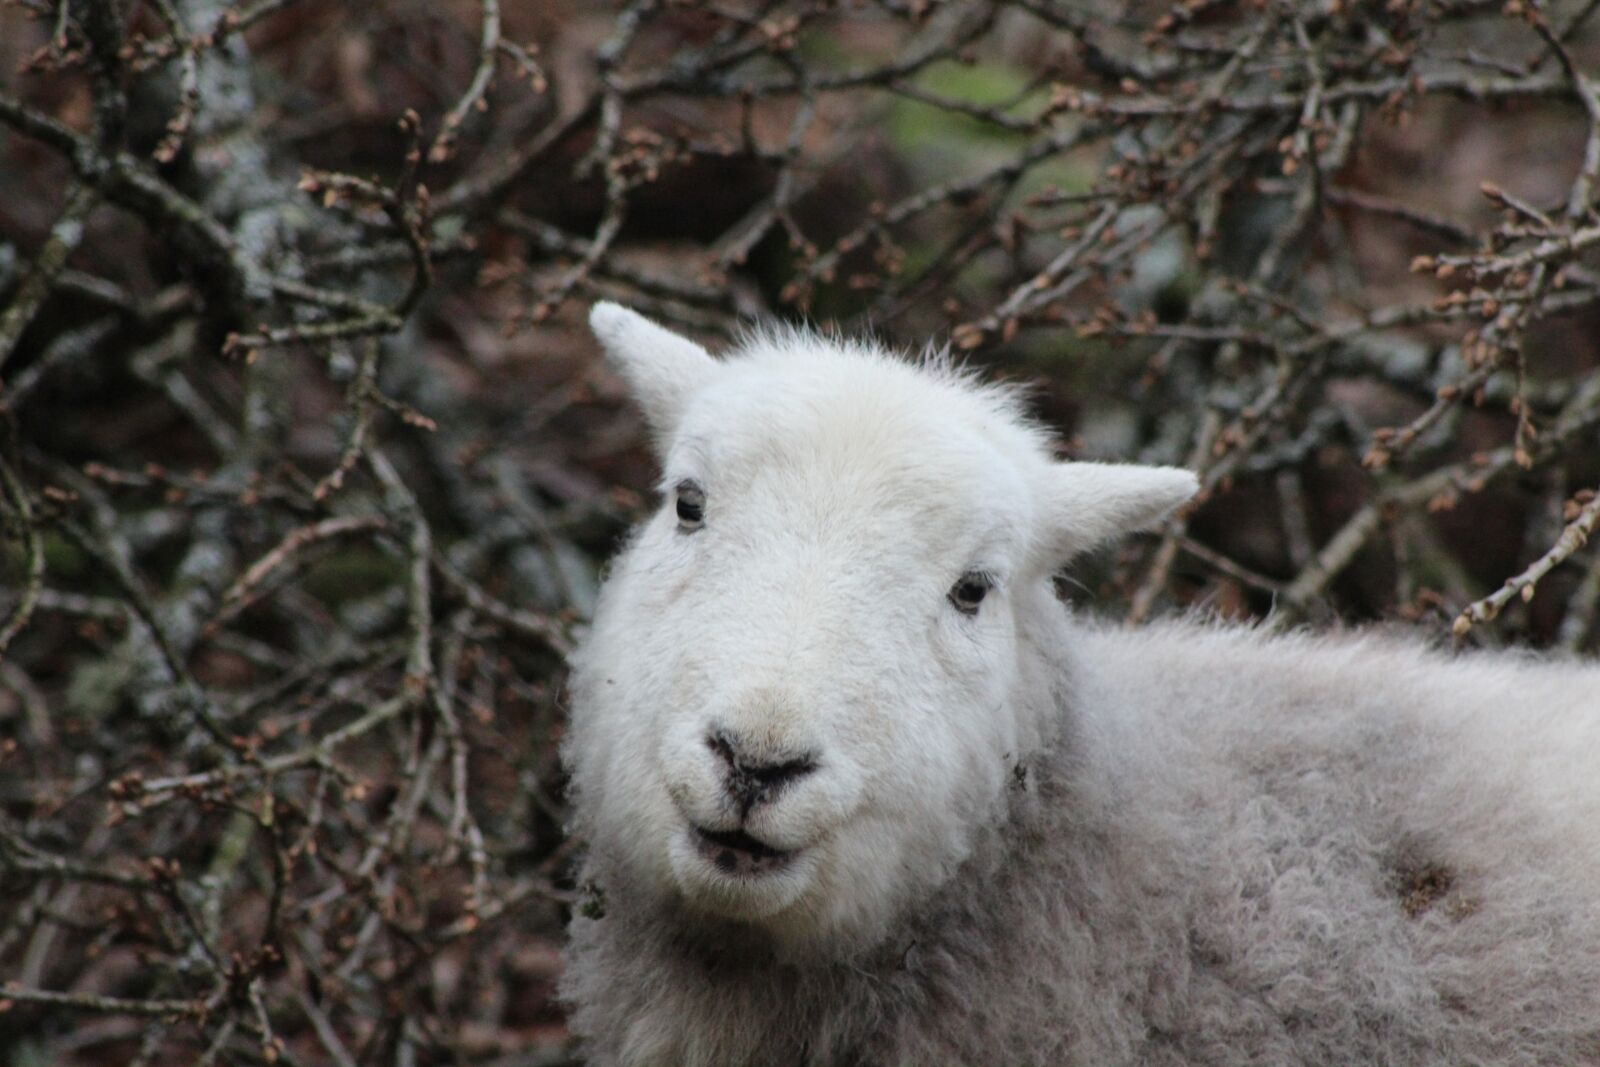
x=1031, y=838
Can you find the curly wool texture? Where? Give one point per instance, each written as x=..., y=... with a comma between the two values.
x=1188, y=844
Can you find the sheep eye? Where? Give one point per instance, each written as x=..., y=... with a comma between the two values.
x=969, y=592
x=691, y=506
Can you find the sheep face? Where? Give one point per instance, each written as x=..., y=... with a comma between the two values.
x=803, y=693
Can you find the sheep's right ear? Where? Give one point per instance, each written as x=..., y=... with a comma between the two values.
x=661, y=368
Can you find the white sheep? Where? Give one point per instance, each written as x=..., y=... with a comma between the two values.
x=858, y=789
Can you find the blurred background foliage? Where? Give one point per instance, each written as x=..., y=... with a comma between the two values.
x=309, y=469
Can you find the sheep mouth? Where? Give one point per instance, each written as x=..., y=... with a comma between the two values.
x=735, y=852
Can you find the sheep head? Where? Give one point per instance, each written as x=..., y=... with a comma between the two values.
x=809, y=676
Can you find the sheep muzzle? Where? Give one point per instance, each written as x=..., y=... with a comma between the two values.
x=751, y=782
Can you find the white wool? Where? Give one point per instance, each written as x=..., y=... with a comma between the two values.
x=1010, y=836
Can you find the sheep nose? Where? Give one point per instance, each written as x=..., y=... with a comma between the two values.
x=750, y=781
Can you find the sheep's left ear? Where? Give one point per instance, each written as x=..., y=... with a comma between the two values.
x=662, y=369
x=1087, y=504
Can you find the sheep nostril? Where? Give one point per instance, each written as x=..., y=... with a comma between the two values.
x=718, y=743
x=777, y=774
